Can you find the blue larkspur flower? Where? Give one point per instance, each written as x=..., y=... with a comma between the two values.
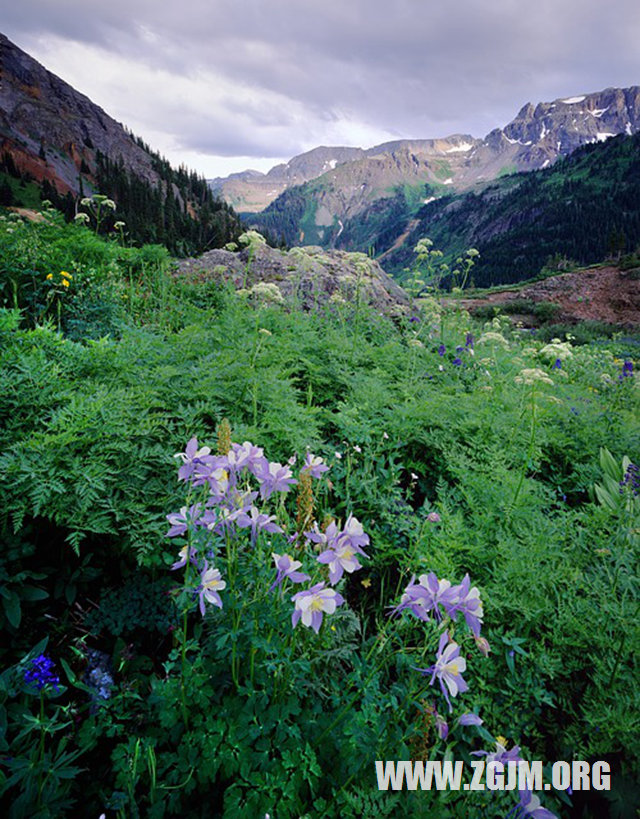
x=40, y=673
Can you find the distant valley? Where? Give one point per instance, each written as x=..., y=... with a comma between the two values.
x=377, y=200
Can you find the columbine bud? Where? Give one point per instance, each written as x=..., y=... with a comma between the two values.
x=483, y=645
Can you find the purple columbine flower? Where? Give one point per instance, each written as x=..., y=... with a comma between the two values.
x=287, y=568
x=415, y=598
x=340, y=558
x=354, y=534
x=441, y=725
x=442, y=350
x=448, y=668
x=258, y=522
x=426, y=595
x=483, y=645
x=226, y=520
x=468, y=342
x=187, y=555
x=500, y=754
x=414, y=319
x=439, y=593
x=311, y=604
x=274, y=477
x=40, y=673
x=239, y=501
x=211, y=584
x=190, y=457
x=557, y=364
x=470, y=719
x=469, y=604
x=215, y=472
x=457, y=362
x=530, y=807
x=314, y=465
x=459, y=349
x=180, y=521
x=246, y=456
x=627, y=369
x=342, y=547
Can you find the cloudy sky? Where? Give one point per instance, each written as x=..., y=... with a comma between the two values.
x=225, y=85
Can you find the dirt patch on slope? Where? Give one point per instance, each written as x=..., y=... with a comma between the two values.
x=601, y=294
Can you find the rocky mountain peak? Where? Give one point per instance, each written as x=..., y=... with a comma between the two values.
x=40, y=114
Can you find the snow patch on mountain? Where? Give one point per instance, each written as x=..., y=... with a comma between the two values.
x=465, y=146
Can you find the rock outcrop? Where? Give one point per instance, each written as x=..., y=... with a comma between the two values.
x=306, y=277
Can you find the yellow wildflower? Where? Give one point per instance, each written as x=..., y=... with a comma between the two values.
x=66, y=275
x=49, y=276
x=65, y=283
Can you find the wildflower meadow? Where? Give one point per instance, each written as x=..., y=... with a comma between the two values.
x=250, y=551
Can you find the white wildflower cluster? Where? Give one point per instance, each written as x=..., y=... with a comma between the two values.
x=555, y=350
x=493, y=337
x=267, y=292
x=252, y=239
x=533, y=376
x=430, y=309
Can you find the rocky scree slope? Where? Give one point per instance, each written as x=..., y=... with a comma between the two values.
x=52, y=132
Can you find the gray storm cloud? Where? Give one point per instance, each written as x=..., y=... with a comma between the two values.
x=284, y=71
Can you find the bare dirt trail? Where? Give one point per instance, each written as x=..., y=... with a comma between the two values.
x=601, y=294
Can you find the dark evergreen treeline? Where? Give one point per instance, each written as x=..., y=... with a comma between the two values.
x=181, y=212
x=378, y=226
x=585, y=208
x=282, y=218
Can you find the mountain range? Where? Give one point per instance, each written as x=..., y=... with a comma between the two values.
x=317, y=194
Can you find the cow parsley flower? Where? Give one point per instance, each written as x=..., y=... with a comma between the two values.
x=531, y=376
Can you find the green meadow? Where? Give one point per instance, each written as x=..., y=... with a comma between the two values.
x=479, y=521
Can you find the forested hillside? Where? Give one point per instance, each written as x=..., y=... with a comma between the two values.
x=585, y=207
